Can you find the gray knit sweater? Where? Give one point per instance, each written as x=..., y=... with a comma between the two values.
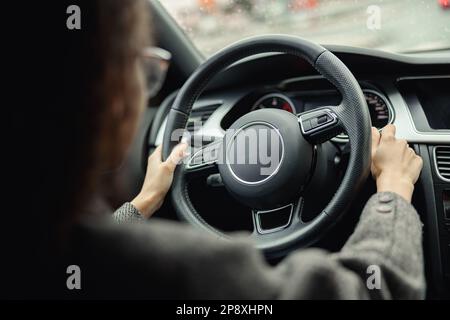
x=383, y=259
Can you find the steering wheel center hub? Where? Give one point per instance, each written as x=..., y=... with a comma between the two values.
x=266, y=160
x=255, y=153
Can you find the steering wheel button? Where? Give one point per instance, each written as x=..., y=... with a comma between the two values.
x=306, y=125
x=209, y=156
x=384, y=208
x=323, y=119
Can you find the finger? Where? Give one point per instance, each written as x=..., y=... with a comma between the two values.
x=177, y=154
x=402, y=146
x=417, y=165
x=375, y=139
x=388, y=132
x=419, y=161
x=403, y=143
x=157, y=153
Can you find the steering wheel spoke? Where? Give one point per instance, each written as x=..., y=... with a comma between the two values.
x=278, y=219
x=204, y=159
x=270, y=221
x=320, y=125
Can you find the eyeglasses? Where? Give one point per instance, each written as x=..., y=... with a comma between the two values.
x=156, y=62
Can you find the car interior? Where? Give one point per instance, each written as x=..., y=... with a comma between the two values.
x=408, y=90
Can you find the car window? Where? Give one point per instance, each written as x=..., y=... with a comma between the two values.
x=391, y=25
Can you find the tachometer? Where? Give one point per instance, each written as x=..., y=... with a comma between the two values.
x=275, y=100
x=380, y=112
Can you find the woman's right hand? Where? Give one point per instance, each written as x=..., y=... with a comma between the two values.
x=395, y=166
x=158, y=179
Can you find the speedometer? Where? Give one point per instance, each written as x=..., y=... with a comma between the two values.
x=275, y=100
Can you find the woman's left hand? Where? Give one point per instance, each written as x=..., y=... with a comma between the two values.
x=158, y=180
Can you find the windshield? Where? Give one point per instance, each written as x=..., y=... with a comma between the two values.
x=391, y=25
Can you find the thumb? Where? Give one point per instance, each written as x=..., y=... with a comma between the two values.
x=375, y=140
x=177, y=154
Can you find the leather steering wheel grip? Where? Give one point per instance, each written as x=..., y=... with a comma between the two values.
x=358, y=127
x=352, y=113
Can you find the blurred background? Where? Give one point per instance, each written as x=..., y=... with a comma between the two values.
x=392, y=25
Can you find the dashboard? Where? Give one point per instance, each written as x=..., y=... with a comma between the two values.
x=381, y=112
x=411, y=92
x=380, y=109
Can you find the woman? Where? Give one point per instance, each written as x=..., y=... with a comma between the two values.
x=102, y=98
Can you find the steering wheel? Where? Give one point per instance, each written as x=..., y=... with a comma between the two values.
x=292, y=138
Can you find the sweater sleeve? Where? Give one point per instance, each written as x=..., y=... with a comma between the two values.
x=127, y=213
x=382, y=259
x=388, y=239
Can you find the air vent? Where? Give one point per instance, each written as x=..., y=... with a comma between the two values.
x=199, y=116
x=442, y=158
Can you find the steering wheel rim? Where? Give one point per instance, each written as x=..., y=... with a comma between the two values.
x=352, y=113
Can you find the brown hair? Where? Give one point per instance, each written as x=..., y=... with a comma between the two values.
x=100, y=62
